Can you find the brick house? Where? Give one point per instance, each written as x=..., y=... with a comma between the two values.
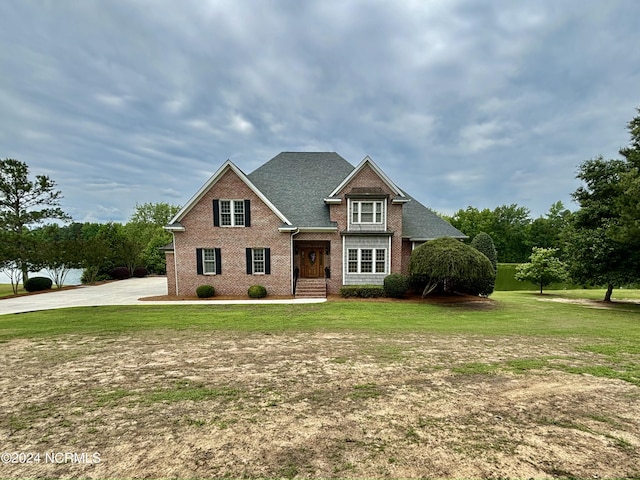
x=303, y=223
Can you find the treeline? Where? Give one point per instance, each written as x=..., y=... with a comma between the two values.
x=512, y=229
x=599, y=242
x=99, y=249
x=27, y=244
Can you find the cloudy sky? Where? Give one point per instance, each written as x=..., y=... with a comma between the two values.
x=460, y=102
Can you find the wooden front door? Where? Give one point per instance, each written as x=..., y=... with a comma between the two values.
x=312, y=262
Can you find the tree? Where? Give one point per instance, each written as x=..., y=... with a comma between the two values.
x=543, y=269
x=604, y=246
x=508, y=226
x=145, y=231
x=23, y=204
x=452, y=265
x=598, y=250
x=59, y=250
x=484, y=244
x=547, y=231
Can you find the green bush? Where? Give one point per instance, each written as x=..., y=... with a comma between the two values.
x=205, y=291
x=38, y=284
x=396, y=285
x=362, y=291
x=257, y=291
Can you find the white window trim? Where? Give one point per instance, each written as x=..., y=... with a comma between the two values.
x=253, y=261
x=374, y=254
x=232, y=205
x=376, y=203
x=205, y=261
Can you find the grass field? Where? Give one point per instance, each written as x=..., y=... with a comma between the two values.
x=520, y=386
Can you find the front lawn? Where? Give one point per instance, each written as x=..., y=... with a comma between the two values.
x=521, y=386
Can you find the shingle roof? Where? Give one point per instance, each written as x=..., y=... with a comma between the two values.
x=421, y=223
x=298, y=182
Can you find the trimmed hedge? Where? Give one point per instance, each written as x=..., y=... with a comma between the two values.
x=257, y=291
x=362, y=291
x=38, y=284
x=140, y=272
x=396, y=285
x=205, y=291
x=119, y=273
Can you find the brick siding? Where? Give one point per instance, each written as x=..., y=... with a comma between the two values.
x=232, y=241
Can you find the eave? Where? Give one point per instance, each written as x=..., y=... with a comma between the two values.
x=228, y=165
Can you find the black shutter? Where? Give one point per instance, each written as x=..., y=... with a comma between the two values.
x=216, y=213
x=247, y=213
x=199, y=261
x=267, y=261
x=249, y=261
x=218, y=261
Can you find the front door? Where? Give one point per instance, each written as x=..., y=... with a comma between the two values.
x=312, y=262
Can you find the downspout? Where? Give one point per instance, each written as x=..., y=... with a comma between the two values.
x=175, y=261
x=293, y=234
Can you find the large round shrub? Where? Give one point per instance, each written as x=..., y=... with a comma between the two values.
x=451, y=265
x=119, y=273
x=205, y=291
x=257, y=291
x=140, y=272
x=38, y=284
x=396, y=285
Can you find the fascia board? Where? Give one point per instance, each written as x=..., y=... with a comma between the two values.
x=228, y=165
x=379, y=172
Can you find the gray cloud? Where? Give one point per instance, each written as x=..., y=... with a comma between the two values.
x=460, y=102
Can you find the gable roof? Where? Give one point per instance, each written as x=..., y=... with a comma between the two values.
x=174, y=223
x=367, y=161
x=298, y=182
x=296, y=186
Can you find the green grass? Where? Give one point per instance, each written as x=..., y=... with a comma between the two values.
x=512, y=313
x=6, y=290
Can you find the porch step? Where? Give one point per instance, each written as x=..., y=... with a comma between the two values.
x=311, y=288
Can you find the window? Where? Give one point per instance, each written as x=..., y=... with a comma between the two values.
x=229, y=220
x=361, y=260
x=231, y=213
x=208, y=261
x=366, y=212
x=366, y=260
x=258, y=261
x=353, y=260
x=381, y=260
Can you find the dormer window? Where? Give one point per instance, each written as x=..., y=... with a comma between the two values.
x=367, y=212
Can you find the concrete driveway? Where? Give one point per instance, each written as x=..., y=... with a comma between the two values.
x=123, y=292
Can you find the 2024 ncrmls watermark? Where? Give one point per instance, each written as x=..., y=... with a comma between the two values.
x=79, y=458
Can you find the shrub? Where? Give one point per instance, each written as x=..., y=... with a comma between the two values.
x=362, y=291
x=484, y=244
x=205, y=291
x=140, y=272
x=37, y=284
x=257, y=291
x=453, y=266
x=119, y=273
x=396, y=285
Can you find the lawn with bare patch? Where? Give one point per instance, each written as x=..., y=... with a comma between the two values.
x=327, y=402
